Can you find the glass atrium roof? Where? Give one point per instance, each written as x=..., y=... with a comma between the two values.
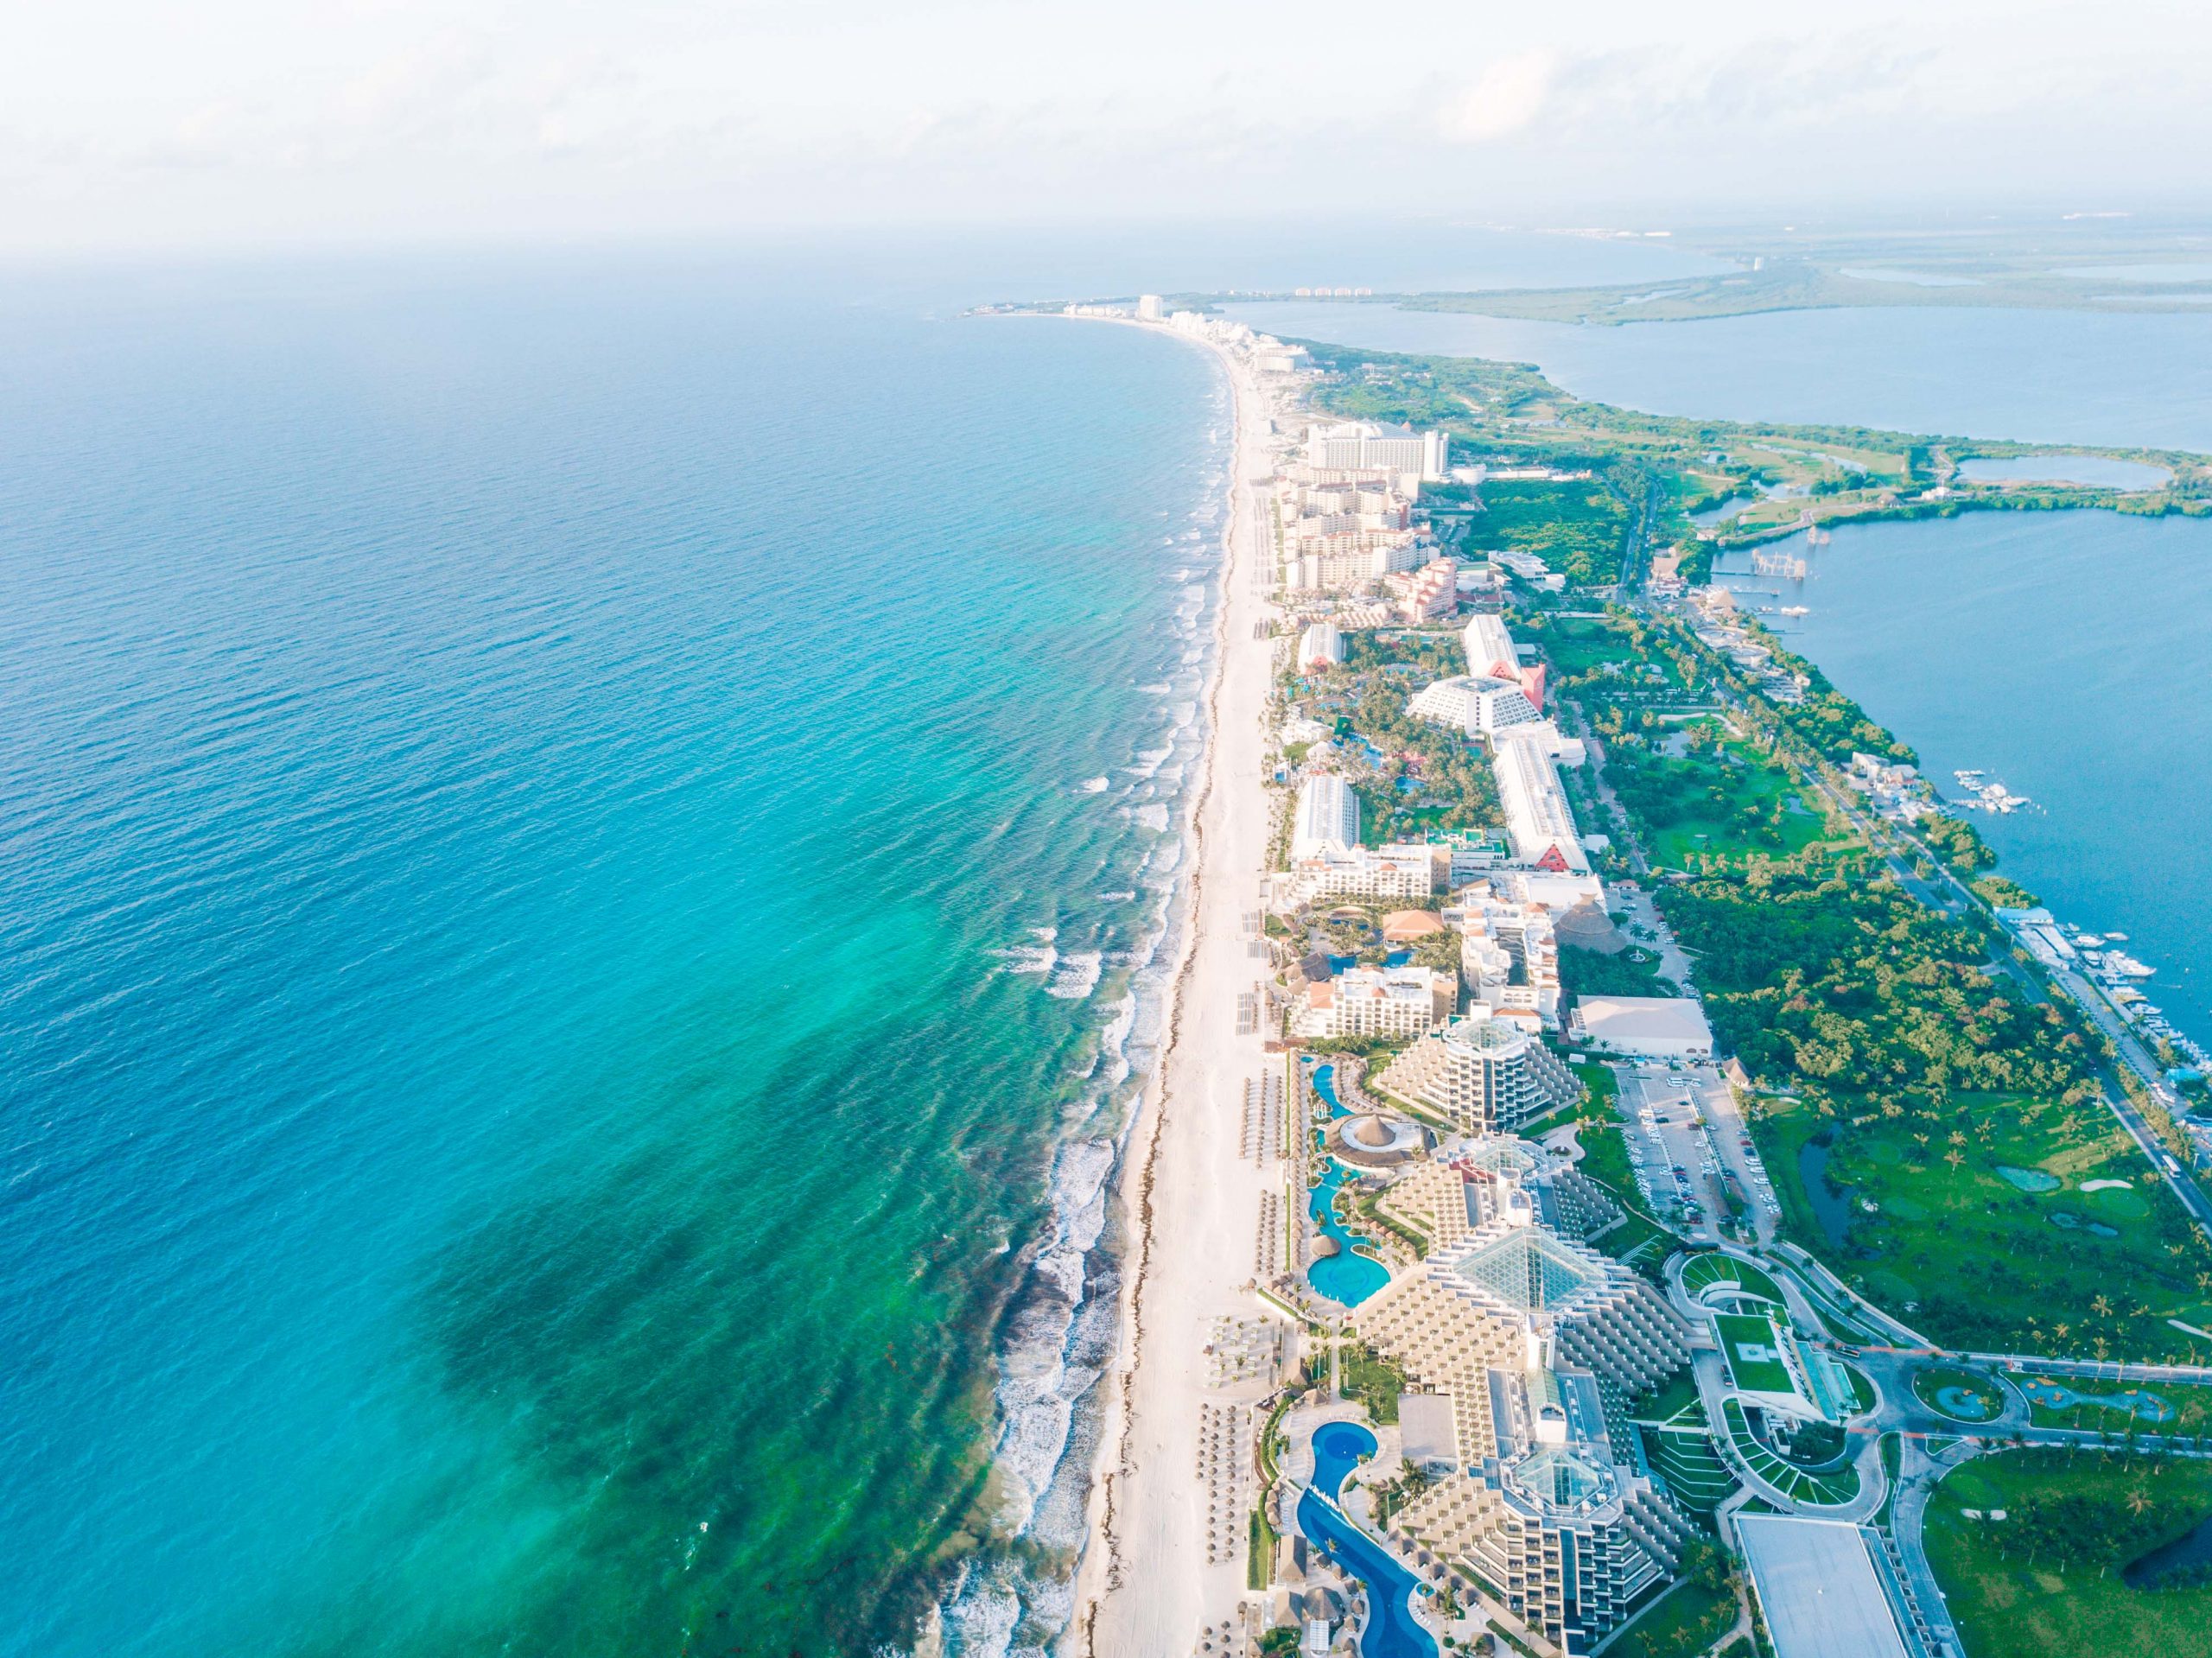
x=1527, y=1269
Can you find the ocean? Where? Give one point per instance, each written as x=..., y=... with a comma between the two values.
x=588, y=848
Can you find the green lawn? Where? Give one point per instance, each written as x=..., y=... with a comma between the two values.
x=1695, y=1474
x=2191, y=1406
x=1967, y=1255
x=1705, y=1270
x=1683, y=1622
x=1971, y=1396
x=1725, y=803
x=1750, y=1345
x=1371, y=1380
x=2046, y=1579
x=1828, y=1489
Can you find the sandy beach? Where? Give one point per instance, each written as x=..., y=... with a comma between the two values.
x=1190, y=1201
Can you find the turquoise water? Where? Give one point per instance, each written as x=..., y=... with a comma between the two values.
x=1392, y=1630
x=2067, y=654
x=565, y=1002
x=1346, y=1277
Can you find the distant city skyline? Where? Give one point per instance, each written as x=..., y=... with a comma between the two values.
x=381, y=121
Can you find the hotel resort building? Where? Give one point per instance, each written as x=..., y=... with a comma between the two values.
x=1320, y=646
x=1649, y=1027
x=1475, y=704
x=1375, y=1001
x=1509, y=949
x=1532, y=1345
x=1492, y=654
x=1365, y=445
x=1486, y=1072
x=1328, y=817
x=1409, y=871
x=1538, y=820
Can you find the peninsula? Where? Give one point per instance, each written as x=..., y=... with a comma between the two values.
x=1598, y=1186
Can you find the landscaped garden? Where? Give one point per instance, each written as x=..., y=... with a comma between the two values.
x=1703, y=1271
x=2054, y=1575
x=1827, y=1490
x=1962, y=1396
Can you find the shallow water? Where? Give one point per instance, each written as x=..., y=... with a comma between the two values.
x=528, y=793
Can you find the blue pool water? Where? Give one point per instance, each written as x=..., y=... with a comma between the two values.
x=1347, y=1279
x=1392, y=1632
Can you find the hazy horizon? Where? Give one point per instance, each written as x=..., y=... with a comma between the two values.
x=390, y=121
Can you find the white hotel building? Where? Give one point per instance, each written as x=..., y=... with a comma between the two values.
x=1538, y=819
x=1376, y=1001
x=1363, y=446
x=1328, y=817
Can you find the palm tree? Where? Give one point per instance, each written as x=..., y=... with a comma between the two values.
x=2138, y=1500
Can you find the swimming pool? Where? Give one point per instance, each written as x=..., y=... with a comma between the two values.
x=1392, y=1632
x=1346, y=1277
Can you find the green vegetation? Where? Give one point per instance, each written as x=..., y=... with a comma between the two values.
x=2047, y=1578
x=1704, y=1271
x=1688, y=1618
x=2019, y=1271
x=1579, y=527
x=1962, y=1396
x=1827, y=1490
x=1750, y=1345
x=1260, y=1554
x=1694, y=1473
x=1451, y=786
x=2112, y=1407
x=1370, y=1380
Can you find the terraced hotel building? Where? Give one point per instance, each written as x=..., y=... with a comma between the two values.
x=1540, y=1343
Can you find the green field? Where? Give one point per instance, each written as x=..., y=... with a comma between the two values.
x=1971, y=1396
x=1724, y=807
x=1695, y=1474
x=1749, y=1343
x=1682, y=1624
x=1578, y=528
x=2191, y=1406
x=2046, y=1579
x=1962, y=1253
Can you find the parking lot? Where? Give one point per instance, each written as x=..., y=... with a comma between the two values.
x=1688, y=1142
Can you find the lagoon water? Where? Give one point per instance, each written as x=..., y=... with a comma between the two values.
x=2039, y=377
x=2067, y=653
x=563, y=984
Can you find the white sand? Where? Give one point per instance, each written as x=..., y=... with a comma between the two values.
x=1192, y=1203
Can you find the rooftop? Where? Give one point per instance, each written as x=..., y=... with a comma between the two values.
x=1527, y=1269
x=1643, y=1018
x=1818, y=1586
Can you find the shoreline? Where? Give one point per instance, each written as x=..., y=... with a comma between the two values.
x=1178, y=1183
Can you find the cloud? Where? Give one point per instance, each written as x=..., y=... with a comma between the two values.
x=1508, y=96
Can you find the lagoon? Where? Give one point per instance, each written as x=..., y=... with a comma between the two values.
x=2067, y=654
x=2036, y=376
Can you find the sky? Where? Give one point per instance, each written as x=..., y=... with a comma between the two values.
x=141, y=123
